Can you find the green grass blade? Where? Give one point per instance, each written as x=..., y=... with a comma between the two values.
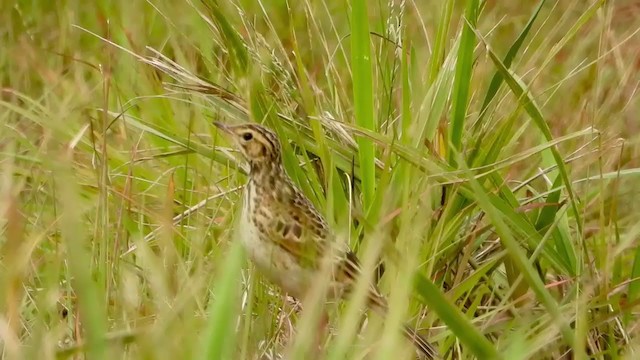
x=89, y=293
x=462, y=79
x=561, y=237
x=219, y=339
x=438, y=95
x=520, y=260
x=497, y=79
x=585, y=17
x=440, y=43
x=455, y=320
x=634, y=286
x=232, y=39
x=520, y=90
x=363, y=95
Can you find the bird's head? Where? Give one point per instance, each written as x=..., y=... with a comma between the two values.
x=259, y=145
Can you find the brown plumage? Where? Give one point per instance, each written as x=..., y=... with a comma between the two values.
x=282, y=232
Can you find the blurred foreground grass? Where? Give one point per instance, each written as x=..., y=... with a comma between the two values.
x=118, y=198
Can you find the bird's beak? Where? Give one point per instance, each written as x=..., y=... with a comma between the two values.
x=224, y=128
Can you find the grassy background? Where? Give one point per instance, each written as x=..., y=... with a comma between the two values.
x=118, y=198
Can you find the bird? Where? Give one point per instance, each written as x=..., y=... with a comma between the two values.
x=283, y=233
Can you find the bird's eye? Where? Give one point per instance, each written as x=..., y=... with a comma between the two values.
x=247, y=136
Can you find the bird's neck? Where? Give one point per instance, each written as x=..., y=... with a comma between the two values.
x=267, y=174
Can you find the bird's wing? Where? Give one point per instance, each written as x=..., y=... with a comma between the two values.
x=299, y=230
x=303, y=233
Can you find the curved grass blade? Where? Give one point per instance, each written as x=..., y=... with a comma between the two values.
x=232, y=39
x=519, y=259
x=462, y=81
x=220, y=336
x=455, y=320
x=521, y=91
x=363, y=95
x=440, y=43
x=497, y=79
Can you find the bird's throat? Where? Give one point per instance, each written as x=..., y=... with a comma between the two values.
x=266, y=174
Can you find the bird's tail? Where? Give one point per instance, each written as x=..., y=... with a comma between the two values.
x=379, y=305
x=420, y=343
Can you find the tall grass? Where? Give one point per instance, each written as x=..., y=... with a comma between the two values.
x=480, y=157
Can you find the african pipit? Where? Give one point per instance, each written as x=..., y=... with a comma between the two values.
x=284, y=235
